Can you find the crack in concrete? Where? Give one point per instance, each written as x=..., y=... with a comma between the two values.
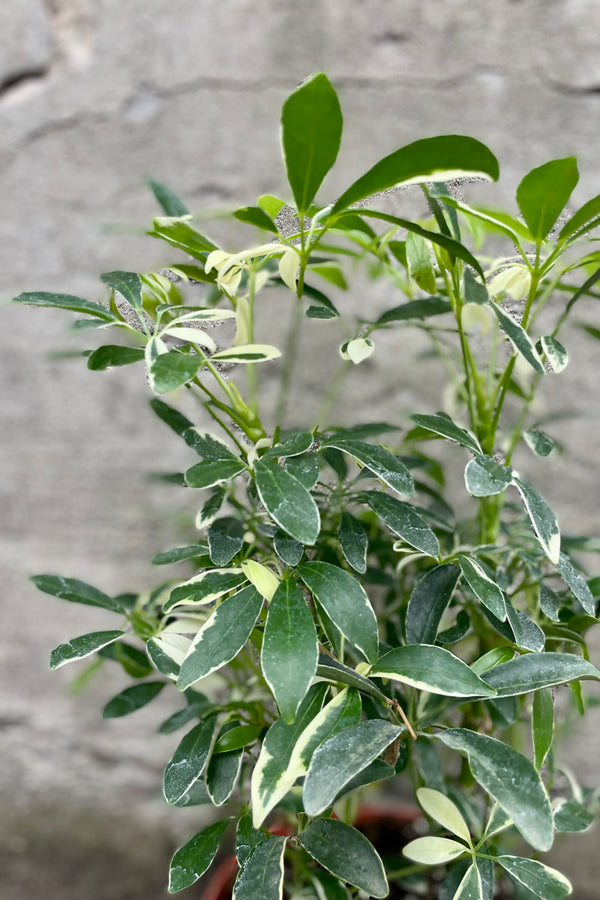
x=18, y=79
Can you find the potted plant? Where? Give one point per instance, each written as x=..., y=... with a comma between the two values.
x=341, y=625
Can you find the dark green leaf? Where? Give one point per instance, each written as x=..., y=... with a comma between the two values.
x=416, y=309
x=582, y=221
x=475, y=291
x=542, y=519
x=541, y=443
x=212, y=472
x=433, y=669
x=527, y=633
x=67, y=301
x=320, y=312
x=172, y=370
x=556, y=354
x=197, y=795
x=431, y=159
x=336, y=672
x=254, y=215
x=338, y=760
x=403, y=520
x=510, y=779
x=484, y=588
x=550, y=603
x=189, y=760
x=345, y=602
x=287, y=501
x=193, y=859
x=292, y=446
x=171, y=417
x=170, y=202
x=544, y=192
x=177, y=554
x=572, y=817
x=289, y=649
x=345, y=852
x=132, y=698
x=205, y=587
x=179, y=233
x=538, y=878
x=381, y=462
x=457, y=631
x=442, y=424
x=261, y=874
x=237, y=737
x=76, y=591
x=577, y=583
x=134, y=661
x=311, y=132
x=485, y=477
x=225, y=539
x=247, y=838
x=222, y=774
x=80, y=647
x=287, y=549
x=519, y=339
x=420, y=263
x=305, y=468
x=353, y=542
x=127, y=284
x=114, y=355
x=222, y=636
x=533, y=671
x=428, y=602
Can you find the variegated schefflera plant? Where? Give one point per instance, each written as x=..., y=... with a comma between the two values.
x=340, y=627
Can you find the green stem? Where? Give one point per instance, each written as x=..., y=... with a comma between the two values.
x=290, y=355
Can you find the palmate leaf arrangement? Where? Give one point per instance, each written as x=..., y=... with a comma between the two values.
x=359, y=631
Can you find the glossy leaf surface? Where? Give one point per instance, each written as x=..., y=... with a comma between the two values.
x=345, y=852
x=431, y=668
x=132, y=699
x=486, y=590
x=404, y=521
x=80, y=647
x=67, y=301
x=75, y=591
x=192, y=860
x=542, y=880
x=428, y=602
x=442, y=424
x=287, y=501
x=544, y=192
x=261, y=874
x=379, y=461
x=189, y=760
x=533, y=671
x=485, y=477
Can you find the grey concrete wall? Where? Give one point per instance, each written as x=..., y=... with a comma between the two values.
x=95, y=95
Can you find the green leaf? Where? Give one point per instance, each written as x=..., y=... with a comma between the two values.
x=542, y=519
x=519, y=339
x=189, y=760
x=80, y=647
x=222, y=774
x=440, y=423
x=178, y=232
x=294, y=445
x=345, y=852
x=178, y=554
x=337, y=673
x=127, y=284
x=533, y=671
x=428, y=602
x=211, y=472
x=484, y=588
x=192, y=860
x=311, y=132
x=556, y=354
x=237, y=737
x=287, y=549
x=416, y=309
x=254, y=215
x=471, y=887
x=510, y=779
x=354, y=542
x=338, y=760
x=67, y=301
x=171, y=417
x=444, y=812
x=225, y=539
x=222, y=636
x=247, y=838
x=379, y=461
x=287, y=501
x=586, y=218
x=306, y=468
x=431, y=668
x=403, y=520
x=542, y=880
x=434, y=851
x=540, y=442
x=170, y=202
x=131, y=699
x=432, y=159
x=577, y=583
x=419, y=262
x=113, y=355
x=346, y=603
x=134, y=661
x=475, y=291
x=289, y=650
x=205, y=588
x=542, y=725
x=572, y=817
x=172, y=370
x=452, y=247
x=544, y=192
x=76, y=591
x=273, y=774
x=485, y=477
x=261, y=874
x=247, y=353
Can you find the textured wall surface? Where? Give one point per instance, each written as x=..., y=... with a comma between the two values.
x=95, y=96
